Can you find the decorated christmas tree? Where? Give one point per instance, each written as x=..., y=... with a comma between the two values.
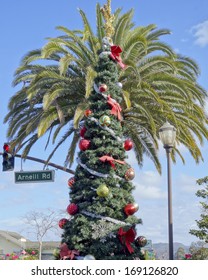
x=102, y=221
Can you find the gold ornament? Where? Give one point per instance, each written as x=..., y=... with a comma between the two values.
x=130, y=174
x=102, y=190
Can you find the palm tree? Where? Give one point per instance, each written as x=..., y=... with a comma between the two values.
x=158, y=85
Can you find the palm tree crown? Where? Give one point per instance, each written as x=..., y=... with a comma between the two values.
x=158, y=85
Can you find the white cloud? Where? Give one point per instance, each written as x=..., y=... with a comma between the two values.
x=186, y=183
x=200, y=32
x=151, y=195
x=10, y=223
x=148, y=185
x=150, y=192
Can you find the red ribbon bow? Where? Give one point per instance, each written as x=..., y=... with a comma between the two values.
x=65, y=253
x=111, y=160
x=126, y=238
x=115, y=54
x=116, y=108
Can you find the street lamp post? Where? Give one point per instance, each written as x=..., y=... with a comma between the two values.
x=167, y=135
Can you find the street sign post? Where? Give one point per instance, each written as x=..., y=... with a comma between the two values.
x=42, y=176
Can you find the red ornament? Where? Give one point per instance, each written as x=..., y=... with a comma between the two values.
x=128, y=145
x=103, y=87
x=87, y=113
x=131, y=208
x=62, y=223
x=82, y=131
x=84, y=144
x=72, y=209
x=71, y=182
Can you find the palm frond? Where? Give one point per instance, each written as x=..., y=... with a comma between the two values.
x=90, y=76
x=122, y=27
x=79, y=113
x=72, y=149
x=88, y=34
x=67, y=134
x=29, y=145
x=46, y=121
x=100, y=24
x=64, y=63
x=31, y=56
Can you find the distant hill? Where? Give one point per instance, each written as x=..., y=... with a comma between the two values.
x=161, y=249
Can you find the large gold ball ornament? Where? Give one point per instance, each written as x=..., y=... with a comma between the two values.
x=102, y=190
x=130, y=174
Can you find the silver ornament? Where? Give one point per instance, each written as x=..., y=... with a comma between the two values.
x=105, y=47
x=107, y=41
x=119, y=84
x=89, y=257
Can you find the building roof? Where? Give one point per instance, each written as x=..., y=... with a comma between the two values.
x=12, y=236
x=16, y=239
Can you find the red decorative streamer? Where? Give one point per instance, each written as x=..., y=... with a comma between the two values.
x=126, y=238
x=65, y=253
x=115, y=54
x=111, y=160
x=116, y=108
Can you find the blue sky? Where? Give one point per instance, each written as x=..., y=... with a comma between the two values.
x=24, y=25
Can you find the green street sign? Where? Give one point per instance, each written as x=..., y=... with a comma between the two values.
x=43, y=176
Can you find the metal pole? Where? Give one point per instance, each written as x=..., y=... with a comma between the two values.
x=45, y=162
x=170, y=214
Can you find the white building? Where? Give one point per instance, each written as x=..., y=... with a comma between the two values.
x=12, y=242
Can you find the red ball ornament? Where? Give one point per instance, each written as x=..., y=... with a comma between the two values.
x=87, y=113
x=72, y=209
x=128, y=145
x=82, y=131
x=131, y=208
x=62, y=223
x=84, y=144
x=103, y=87
x=71, y=182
